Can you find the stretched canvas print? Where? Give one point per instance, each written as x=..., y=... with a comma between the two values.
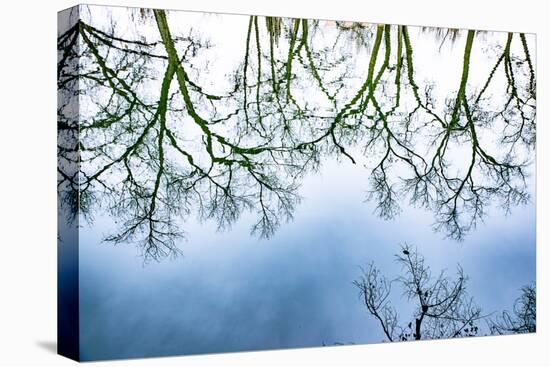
x=234, y=183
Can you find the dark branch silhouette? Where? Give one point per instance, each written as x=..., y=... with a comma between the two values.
x=442, y=307
x=522, y=318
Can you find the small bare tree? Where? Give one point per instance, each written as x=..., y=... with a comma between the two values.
x=442, y=306
x=522, y=319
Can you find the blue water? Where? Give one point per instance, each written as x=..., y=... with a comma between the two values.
x=233, y=292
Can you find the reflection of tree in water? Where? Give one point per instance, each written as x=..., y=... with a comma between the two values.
x=155, y=145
